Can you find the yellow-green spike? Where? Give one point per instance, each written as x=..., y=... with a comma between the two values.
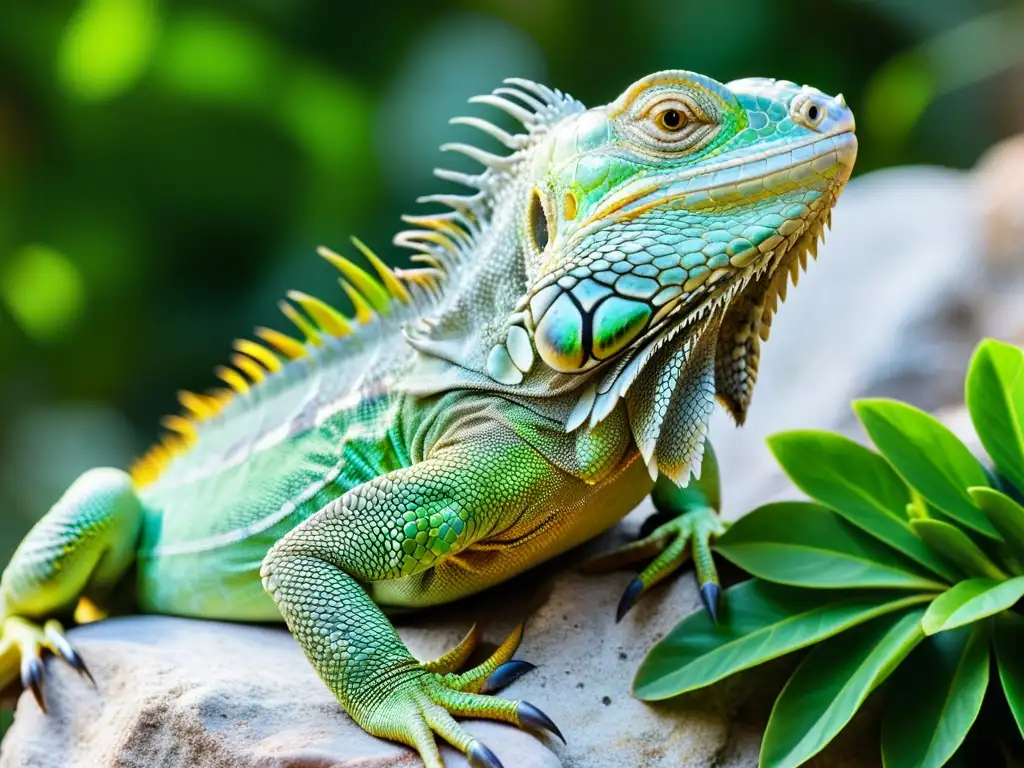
x=286, y=345
x=391, y=282
x=258, y=352
x=324, y=315
x=364, y=312
x=373, y=291
x=182, y=426
x=232, y=378
x=200, y=406
x=312, y=334
x=222, y=395
x=249, y=367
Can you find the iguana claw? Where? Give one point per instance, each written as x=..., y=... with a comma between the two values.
x=32, y=679
x=710, y=593
x=30, y=642
x=481, y=757
x=506, y=674
x=532, y=719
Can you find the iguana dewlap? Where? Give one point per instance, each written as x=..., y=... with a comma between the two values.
x=560, y=346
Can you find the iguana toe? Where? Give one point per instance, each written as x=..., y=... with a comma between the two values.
x=506, y=674
x=29, y=641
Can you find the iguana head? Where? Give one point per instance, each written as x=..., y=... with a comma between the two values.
x=637, y=250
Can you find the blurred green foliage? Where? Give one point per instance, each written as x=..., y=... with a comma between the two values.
x=168, y=166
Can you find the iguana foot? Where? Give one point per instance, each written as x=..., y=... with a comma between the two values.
x=424, y=699
x=671, y=545
x=24, y=642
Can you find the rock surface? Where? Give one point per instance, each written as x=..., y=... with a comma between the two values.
x=897, y=300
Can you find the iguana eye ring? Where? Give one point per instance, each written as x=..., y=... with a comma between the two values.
x=670, y=120
x=810, y=112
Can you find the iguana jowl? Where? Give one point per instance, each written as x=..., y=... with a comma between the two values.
x=563, y=344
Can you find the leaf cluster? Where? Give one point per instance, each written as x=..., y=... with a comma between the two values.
x=904, y=572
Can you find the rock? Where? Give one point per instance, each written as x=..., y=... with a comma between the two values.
x=180, y=692
x=894, y=305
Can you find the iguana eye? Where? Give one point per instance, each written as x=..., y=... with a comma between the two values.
x=670, y=120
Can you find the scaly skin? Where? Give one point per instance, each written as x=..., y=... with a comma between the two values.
x=610, y=276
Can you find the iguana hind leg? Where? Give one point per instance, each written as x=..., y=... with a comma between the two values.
x=398, y=525
x=85, y=543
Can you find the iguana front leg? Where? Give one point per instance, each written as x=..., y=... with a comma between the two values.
x=689, y=522
x=397, y=525
x=82, y=547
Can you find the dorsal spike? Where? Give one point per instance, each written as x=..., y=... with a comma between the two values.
x=475, y=181
x=526, y=98
x=284, y=344
x=507, y=139
x=173, y=444
x=232, y=378
x=249, y=367
x=222, y=395
x=372, y=291
x=486, y=159
x=182, y=426
x=523, y=115
x=364, y=312
x=426, y=258
x=327, y=318
x=312, y=334
x=258, y=352
x=541, y=91
x=462, y=203
x=427, y=277
x=391, y=283
x=200, y=406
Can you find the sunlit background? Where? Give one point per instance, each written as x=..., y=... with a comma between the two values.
x=167, y=168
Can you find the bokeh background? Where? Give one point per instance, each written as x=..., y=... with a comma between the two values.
x=168, y=166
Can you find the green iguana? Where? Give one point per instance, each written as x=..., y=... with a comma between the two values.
x=561, y=344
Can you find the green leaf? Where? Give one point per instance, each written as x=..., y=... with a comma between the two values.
x=929, y=457
x=1009, y=641
x=957, y=547
x=995, y=400
x=1005, y=514
x=934, y=698
x=806, y=545
x=759, y=621
x=970, y=601
x=858, y=484
x=830, y=685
